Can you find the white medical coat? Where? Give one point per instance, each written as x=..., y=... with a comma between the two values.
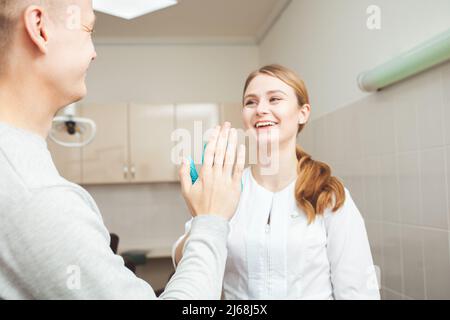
x=289, y=259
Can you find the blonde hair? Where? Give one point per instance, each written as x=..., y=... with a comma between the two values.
x=10, y=11
x=8, y=18
x=315, y=188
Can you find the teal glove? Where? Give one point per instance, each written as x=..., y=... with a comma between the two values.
x=194, y=173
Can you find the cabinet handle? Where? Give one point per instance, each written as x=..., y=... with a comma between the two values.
x=133, y=172
x=125, y=172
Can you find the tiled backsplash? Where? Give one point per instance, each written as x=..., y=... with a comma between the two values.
x=392, y=150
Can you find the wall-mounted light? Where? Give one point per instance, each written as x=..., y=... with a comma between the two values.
x=130, y=9
x=425, y=56
x=68, y=125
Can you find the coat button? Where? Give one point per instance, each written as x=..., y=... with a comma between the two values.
x=294, y=215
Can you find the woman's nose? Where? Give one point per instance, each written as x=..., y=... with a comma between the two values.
x=262, y=108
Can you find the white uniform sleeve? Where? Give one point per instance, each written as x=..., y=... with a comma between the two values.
x=187, y=228
x=353, y=274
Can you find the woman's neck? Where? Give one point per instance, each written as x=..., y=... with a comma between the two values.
x=285, y=173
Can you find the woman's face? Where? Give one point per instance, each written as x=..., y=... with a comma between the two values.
x=270, y=104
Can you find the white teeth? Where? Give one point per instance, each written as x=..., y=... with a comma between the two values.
x=265, y=124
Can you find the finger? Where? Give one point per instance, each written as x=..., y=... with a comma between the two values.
x=210, y=148
x=240, y=163
x=230, y=156
x=219, y=155
x=185, y=176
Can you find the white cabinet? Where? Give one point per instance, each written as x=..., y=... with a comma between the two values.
x=196, y=119
x=105, y=159
x=232, y=112
x=132, y=144
x=150, y=130
x=134, y=141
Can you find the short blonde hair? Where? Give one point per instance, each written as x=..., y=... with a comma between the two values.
x=10, y=11
x=8, y=17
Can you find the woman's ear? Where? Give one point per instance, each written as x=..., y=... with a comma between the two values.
x=304, y=113
x=36, y=27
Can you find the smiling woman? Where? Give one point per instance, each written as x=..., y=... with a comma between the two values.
x=316, y=189
x=297, y=234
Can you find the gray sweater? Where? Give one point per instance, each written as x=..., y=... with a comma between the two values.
x=54, y=244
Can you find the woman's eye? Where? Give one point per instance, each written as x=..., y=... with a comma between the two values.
x=249, y=103
x=275, y=99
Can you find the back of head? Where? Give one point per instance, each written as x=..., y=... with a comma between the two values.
x=9, y=14
x=49, y=43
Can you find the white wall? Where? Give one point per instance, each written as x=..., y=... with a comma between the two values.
x=392, y=151
x=150, y=216
x=328, y=43
x=165, y=73
x=145, y=216
x=390, y=148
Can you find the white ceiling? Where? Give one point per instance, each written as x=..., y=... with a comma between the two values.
x=191, y=20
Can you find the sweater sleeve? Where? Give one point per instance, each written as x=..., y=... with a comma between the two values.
x=59, y=249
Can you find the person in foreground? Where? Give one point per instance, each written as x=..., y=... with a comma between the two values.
x=297, y=234
x=53, y=243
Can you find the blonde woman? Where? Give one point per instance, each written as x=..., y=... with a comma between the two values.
x=296, y=234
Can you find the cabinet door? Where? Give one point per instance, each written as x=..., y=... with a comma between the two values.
x=232, y=112
x=150, y=130
x=105, y=160
x=197, y=119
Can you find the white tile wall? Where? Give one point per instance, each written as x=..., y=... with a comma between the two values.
x=409, y=188
x=413, y=262
x=389, y=188
x=434, y=195
x=392, y=150
x=391, y=275
x=446, y=97
x=437, y=264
